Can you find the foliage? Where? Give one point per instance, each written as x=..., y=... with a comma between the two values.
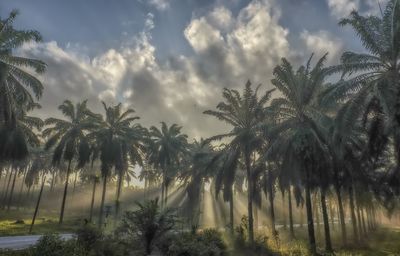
x=208, y=242
x=147, y=225
x=54, y=245
x=241, y=242
x=88, y=236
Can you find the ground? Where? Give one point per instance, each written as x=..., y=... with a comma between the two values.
x=384, y=241
x=47, y=222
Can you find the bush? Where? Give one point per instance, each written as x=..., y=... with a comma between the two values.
x=206, y=243
x=146, y=225
x=88, y=236
x=260, y=246
x=54, y=245
x=109, y=246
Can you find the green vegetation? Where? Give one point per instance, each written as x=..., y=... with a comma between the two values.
x=16, y=223
x=313, y=164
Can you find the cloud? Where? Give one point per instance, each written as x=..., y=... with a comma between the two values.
x=228, y=50
x=160, y=5
x=222, y=18
x=342, y=8
x=322, y=42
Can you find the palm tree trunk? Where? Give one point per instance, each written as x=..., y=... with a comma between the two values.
x=360, y=231
x=21, y=190
x=255, y=214
x=92, y=202
x=166, y=194
x=73, y=189
x=332, y=213
x=65, y=193
x=3, y=191
x=52, y=182
x=271, y=203
x=231, y=224
x=328, y=243
x=353, y=215
x=119, y=191
x=316, y=213
x=363, y=221
x=290, y=214
x=28, y=193
x=12, y=190
x=301, y=216
x=37, y=205
x=163, y=185
x=310, y=221
x=284, y=212
x=103, y=197
x=341, y=215
x=369, y=221
x=162, y=194
x=8, y=185
x=249, y=198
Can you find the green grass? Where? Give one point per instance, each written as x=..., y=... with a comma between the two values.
x=47, y=222
x=382, y=242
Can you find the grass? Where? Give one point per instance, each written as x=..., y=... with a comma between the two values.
x=385, y=241
x=47, y=222
x=382, y=242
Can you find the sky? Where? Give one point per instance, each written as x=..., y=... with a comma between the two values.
x=170, y=59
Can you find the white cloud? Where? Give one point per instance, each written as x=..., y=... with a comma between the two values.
x=221, y=17
x=160, y=4
x=322, y=42
x=373, y=6
x=201, y=34
x=342, y=8
x=181, y=88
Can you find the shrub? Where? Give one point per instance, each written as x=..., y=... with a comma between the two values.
x=206, y=243
x=54, y=245
x=109, y=246
x=260, y=246
x=147, y=225
x=88, y=236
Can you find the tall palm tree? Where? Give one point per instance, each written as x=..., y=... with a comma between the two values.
x=296, y=133
x=225, y=169
x=68, y=137
x=244, y=113
x=16, y=143
x=374, y=76
x=120, y=140
x=16, y=84
x=167, y=147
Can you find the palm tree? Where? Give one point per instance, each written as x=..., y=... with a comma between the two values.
x=225, y=168
x=120, y=141
x=374, y=76
x=16, y=84
x=296, y=134
x=39, y=168
x=69, y=138
x=15, y=143
x=244, y=113
x=167, y=147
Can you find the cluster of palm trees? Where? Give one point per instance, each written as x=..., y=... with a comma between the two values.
x=312, y=136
